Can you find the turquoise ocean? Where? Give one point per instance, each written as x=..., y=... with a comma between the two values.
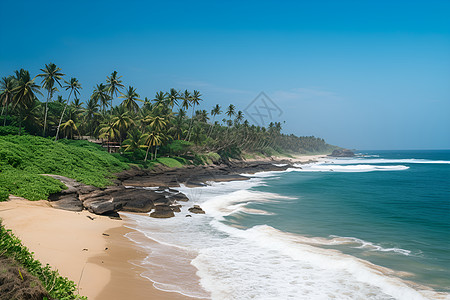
x=376, y=226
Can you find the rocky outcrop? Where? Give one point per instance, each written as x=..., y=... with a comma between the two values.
x=196, y=210
x=131, y=192
x=342, y=153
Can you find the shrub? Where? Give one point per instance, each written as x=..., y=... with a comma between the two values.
x=58, y=287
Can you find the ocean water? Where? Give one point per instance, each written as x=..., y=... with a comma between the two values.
x=376, y=226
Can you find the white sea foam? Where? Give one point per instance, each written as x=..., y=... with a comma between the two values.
x=386, y=161
x=260, y=262
x=321, y=167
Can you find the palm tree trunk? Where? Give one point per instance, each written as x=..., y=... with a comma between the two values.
x=190, y=125
x=6, y=115
x=146, y=154
x=20, y=121
x=156, y=150
x=60, y=119
x=46, y=111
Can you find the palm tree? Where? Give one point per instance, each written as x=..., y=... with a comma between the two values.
x=69, y=128
x=134, y=141
x=157, y=123
x=51, y=74
x=130, y=99
x=7, y=85
x=74, y=86
x=91, y=115
x=239, y=117
x=172, y=98
x=101, y=96
x=186, y=100
x=214, y=112
x=114, y=84
x=195, y=100
x=122, y=123
x=109, y=131
x=24, y=93
x=152, y=139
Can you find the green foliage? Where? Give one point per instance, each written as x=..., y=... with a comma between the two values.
x=4, y=194
x=24, y=158
x=58, y=287
x=27, y=185
x=170, y=162
x=6, y=130
x=176, y=147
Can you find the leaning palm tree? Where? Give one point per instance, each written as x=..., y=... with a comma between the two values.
x=114, y=85
x=24, y=93
x=129, y=100
x=217, y=110
x=51, y=75
x=195, y=100
x=74, y=86
x=172, y=98
x=7, y=85
x=134, y=141
x=186, y=100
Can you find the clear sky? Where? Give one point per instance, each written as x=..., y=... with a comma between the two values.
x=360, y=74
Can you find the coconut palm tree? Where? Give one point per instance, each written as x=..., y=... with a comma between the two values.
x=217, y=110
x=51, y=75
x=74, y=86
x=69, y=128
x=114, y=85
x=24, y=93
x=7, y=85
x=100, y=95
x=152, y=139
x=239, y=117
x=122, y=123
x=109, y=131
x=172, y=98
x=195, y=100
x=91, y=116
x=186, y=100
x=129, y=100
x=134, y=141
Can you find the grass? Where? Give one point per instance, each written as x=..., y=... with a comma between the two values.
x=24, y=158
x=170, y=162
x=57, y=286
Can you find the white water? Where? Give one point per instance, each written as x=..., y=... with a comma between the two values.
x=260, y=262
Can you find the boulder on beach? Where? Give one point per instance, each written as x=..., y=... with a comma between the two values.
x=162, y=211
x=196, y=210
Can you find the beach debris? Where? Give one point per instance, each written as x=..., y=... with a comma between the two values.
x=188, y=216
x=91, y=218
x=105, y=234
x=106, y=248
x=85, y=249
x=196, y=209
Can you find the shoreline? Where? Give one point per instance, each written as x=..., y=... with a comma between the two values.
x=76, y=246
x=89, y=249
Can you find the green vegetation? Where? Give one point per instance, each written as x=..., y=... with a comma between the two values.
x=57, y=286
x=169, y=124
x=24, y=158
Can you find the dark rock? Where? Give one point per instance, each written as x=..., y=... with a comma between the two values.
x=67, y=202
x=162, y=211
x=196, y=210
x=100, y=207
x=178, y=197
x=175, y=208
x=188, y=216
x=342, y=153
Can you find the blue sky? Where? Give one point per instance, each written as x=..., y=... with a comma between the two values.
x=360, y=74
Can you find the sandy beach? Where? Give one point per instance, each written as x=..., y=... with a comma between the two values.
x=93, y=253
